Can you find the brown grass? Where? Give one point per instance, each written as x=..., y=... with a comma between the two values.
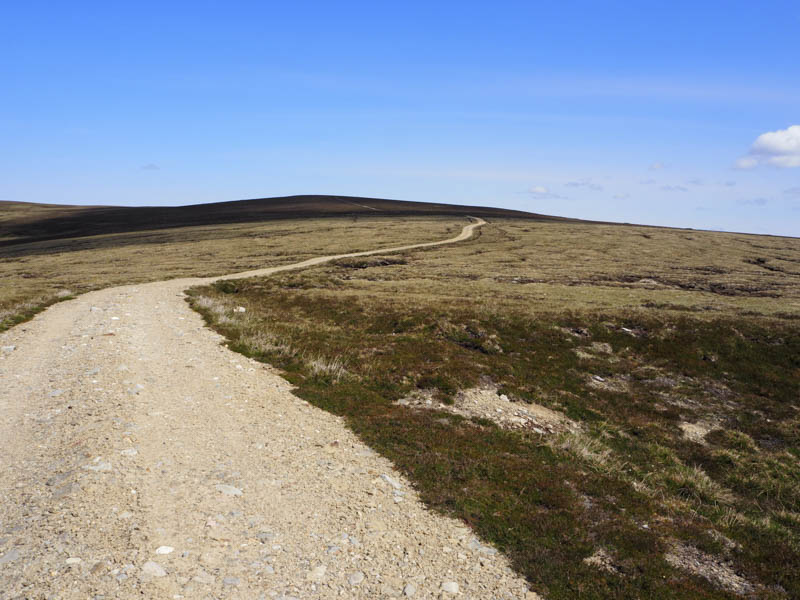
x=630, y=332
x=34, y=275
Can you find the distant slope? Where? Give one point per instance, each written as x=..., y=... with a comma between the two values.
x=25, y=222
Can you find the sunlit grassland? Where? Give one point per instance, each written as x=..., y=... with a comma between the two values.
x=34, y=275
x=676, y=353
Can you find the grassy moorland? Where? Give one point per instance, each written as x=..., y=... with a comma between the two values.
x=49, y=253
x=34, y=275
x=668, y=362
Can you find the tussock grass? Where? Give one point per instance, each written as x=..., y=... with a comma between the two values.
x=332, y=368
x=692, y=483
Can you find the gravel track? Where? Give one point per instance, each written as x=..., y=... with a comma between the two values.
x=141, y=458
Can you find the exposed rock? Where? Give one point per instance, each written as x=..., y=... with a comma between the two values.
x=391, y=481
x=204, y=578
x=153, y=569
x=450, y=587
x=317, y=574
x=9, y=556
x=228, y=490
x=355, y=578
x=99, y=466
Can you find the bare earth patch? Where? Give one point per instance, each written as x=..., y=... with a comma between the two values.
x=714, y=569
x=696, y=432
x=486, y=403
x=617, y=383
x=602, y=560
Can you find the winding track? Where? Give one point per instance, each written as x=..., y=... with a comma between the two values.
x=126, y=426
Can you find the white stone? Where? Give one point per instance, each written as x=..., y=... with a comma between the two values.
x=204, y=578
x=391, y=481
x=355, y=578
x=100, y=465
x=73, y=560
x=164, y=550
x=9, y=556
x=317, y=574
x=153, y=569
x=451, y=587
x=228, y=490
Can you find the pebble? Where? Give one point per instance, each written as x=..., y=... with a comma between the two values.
x=55, y=393
x=317, y=574
x=9, y=556
x=391, y=481
x=409, y=590
x=74, y=560
x=451, y=587
x=355, y=578
x=153, y=569
x=9, y=348
x=164, y=549
x=230, y=581
x=228, y=490
x=129, y=452
x=101, y=465
x=204, y=578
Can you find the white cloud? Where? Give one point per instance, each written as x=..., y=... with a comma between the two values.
x=657, y=166
x=542, y=193
x=777, y=148
x=674, y=188
x=792, y=191
x=150, y=167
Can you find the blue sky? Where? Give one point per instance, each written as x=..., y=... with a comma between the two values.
x=638, y=112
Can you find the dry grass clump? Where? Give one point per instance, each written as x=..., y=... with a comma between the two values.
x=332, y=368
x=264, y=342
x=693, y=483
x=588, y=449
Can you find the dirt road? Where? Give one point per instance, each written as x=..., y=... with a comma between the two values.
x=141, y=458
